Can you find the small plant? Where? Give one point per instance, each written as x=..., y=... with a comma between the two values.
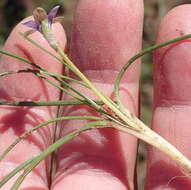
x=112, y=112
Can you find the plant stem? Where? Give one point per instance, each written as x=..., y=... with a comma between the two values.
x=19, y=58
x=48, y=103
x=139, y=55
x=148, y=135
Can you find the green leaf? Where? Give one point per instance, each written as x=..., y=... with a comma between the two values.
x=55, y=146
x=27, y=133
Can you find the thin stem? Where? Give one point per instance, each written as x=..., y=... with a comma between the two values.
x=65, y=77
x=8, y=73
x=44, y=72
x=20, y=58
x=27, y=133
x=42, y=48
x=55, y=146
x=39, y=46
x=89, y=100
x=59, y=87
x=134, y=58
x=48, y=103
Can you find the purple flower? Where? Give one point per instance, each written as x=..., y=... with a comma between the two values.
x=40, y=15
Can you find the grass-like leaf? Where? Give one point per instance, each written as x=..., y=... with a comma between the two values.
x=47, y=103
x=14, y=172
x=27, y=133
x=55, y=146
x=20, y=58
x=139, y=55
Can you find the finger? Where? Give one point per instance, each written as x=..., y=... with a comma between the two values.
x=105, y=35
x=172, y=75
x=22, y=87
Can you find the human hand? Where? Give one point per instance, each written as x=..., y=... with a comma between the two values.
x=105, y=36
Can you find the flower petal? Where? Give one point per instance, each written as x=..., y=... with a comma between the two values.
x=32, y=24
x=52, y=14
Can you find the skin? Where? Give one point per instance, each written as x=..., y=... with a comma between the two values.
x=100, y=159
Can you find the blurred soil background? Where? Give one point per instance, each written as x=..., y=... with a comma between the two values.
x=13, y=11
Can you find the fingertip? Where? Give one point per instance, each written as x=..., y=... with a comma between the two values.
x=175, y=23
x=17, y=85
x=171, y=64
x=107, y=38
